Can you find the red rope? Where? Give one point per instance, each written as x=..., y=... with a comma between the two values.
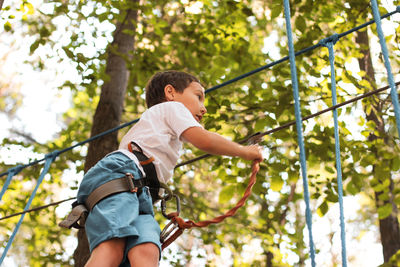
x=174, y=217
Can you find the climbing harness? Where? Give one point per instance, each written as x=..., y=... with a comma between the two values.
x=79, y=212
x=127, y=183
x=151, y=175
x=176, y=225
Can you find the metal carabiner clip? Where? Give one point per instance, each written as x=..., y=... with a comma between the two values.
x=164, y=206
x=167, y=192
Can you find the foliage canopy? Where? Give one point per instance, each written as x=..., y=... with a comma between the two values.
x=217, y=41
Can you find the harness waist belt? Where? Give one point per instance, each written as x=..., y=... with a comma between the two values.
x=76, y=218
x=123, y=184
x=79, y=212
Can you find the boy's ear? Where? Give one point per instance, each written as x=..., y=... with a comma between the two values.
x=169, y=92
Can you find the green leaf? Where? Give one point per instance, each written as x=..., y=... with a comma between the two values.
x=293, y=176
x=260, y=125
x=397, y=200
x=384, y=211
x=34, y=46
x=7, y=26
x=381, y=185
x=276, y=183
x=227, y=193
x=329, y=169
x=331, y=197
x=395, y=164
x=352, y=188
x=323, y=209
x=276, y=10
x=247, y=11
x=68, y=52
x=300, y=23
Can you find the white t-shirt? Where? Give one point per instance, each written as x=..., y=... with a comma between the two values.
x=158, y=133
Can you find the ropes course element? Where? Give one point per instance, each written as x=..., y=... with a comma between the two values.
x=11, y=173
x=303, y=51
x=330, y=44
x=299, y=128
x=385, y=53
x=38, y=208
x=258, y=135
x=178, y=222
x=238, y=78
x=49, y=159
x=176, y=226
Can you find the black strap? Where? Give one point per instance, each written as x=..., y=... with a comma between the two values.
x=151, y=175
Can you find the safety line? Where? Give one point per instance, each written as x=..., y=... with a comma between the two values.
x=77, y=144
x=49, y=159
x=299, y=128
x=240, y=77
x=37, y=208
x=303, y=51
x=382, y=41
x=13, y=171
x=337, y=153
x=261, y=134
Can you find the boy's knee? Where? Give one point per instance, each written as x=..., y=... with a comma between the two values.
x=110, y=251
x=144, y=253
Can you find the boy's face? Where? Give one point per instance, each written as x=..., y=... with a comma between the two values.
x=192, y=97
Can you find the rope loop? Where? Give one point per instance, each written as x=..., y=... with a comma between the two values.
x=17, y=169
x=52, y=154
x=11, y=172
x=331, y=39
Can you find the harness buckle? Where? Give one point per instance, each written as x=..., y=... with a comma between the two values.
x=131, y=185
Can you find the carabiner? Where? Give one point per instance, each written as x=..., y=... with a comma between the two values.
x=164, y=206
x=167, y=194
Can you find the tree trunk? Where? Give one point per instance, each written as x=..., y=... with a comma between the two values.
x=389, y=226
x=109, y=109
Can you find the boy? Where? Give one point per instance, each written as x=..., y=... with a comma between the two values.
x=121, y=228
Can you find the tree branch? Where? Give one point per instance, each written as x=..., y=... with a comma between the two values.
x=28, y=137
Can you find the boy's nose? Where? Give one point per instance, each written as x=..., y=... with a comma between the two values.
x=203, y=110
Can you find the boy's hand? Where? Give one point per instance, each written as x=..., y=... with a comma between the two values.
x=253, y=152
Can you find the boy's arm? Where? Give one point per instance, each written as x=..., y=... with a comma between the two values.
x=214, y=143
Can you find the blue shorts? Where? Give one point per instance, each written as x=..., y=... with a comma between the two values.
x=124, y=215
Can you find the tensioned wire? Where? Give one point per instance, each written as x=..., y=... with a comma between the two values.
x=260, y=134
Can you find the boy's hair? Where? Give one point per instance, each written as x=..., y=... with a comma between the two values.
x=155, y=86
